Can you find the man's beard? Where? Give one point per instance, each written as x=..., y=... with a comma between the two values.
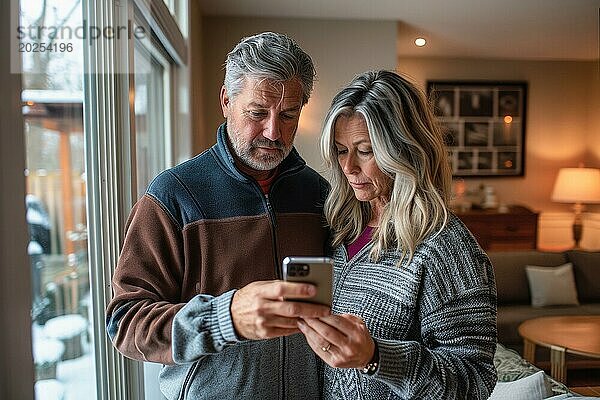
x=252, y=156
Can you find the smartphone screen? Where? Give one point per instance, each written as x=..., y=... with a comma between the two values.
x=315, y=270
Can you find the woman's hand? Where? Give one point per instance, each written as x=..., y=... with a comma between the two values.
x=342, y=341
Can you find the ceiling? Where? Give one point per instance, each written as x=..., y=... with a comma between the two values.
x=510, y=29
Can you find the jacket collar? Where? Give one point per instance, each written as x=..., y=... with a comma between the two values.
x=291, y=163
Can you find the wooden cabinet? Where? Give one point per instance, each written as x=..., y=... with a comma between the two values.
x=515, y=229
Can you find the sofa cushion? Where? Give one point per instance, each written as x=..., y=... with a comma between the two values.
x=509, y=268
x=511, y=316
x=510, y=366
x=551, y=286
x=586, y=266
x=532, y=387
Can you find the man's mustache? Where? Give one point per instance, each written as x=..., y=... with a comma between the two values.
x=262, y=142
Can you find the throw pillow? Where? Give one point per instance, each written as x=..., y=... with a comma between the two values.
x=586, y=265
x=532, y=387
x=552, y=285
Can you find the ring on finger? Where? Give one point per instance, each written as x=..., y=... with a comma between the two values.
x=326, y=348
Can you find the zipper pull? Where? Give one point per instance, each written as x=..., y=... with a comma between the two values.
x=270, y=211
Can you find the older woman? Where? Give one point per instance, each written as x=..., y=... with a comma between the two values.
x=414, y=295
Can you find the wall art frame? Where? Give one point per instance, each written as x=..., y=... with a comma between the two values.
x=483, y=123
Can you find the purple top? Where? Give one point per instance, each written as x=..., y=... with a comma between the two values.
x=360, y=242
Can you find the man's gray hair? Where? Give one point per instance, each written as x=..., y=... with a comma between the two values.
x=271, y=56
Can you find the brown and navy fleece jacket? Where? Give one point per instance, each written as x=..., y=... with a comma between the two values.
x=202, y=230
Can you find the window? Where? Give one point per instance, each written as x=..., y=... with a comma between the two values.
x=100, y=115
x=179, y=10
x=152, y=116
x=63, y=343
x=155, y=114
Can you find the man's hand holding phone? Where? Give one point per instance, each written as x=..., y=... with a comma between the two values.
x=259, y=311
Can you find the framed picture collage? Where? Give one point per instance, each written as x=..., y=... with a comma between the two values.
x=483, y=125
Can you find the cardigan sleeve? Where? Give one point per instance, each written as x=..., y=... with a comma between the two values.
x=456, y=359
x=457, y=326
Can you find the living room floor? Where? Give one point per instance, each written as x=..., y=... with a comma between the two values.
x=585, y=381
x=583, y=376
x=587, y=391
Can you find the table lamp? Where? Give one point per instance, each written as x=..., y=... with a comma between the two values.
x=578, y=186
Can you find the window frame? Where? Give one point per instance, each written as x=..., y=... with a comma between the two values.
x=16, y=358
x=153, y=48
x=110, y=159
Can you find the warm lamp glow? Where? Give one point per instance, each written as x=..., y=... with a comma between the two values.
x=507, y=119
x=577, y=185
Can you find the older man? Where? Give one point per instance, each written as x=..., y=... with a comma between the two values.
x=197, y=284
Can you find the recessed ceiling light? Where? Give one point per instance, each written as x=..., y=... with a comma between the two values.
x=420, y=41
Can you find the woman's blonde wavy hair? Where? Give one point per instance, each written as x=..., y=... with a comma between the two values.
x=407, y=146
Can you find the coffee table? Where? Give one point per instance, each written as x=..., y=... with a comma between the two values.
x=563, y=335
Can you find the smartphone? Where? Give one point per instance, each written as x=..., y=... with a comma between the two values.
x=315, y=270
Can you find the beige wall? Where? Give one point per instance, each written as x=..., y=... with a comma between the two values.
x=560, y=118
x=562, y=130
x=197, y=95
x=594, y=118
x=340, y=50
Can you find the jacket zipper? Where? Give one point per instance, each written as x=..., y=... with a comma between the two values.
x=282, y=359
x=274, y=232
x=278, y=272
x=187, y=381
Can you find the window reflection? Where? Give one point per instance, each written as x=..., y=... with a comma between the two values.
x=56, y=217
x=151, y=98
x=179, y=11
x=56, y=208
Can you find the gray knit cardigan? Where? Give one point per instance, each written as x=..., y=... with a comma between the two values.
x=434, y=320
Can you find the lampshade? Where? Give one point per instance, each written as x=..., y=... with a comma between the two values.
x=577, y=185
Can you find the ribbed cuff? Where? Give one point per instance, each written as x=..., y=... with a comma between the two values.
x=223, y=304
x=393, y=359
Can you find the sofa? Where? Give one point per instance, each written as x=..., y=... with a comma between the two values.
x=514, y=297
x=514, y=374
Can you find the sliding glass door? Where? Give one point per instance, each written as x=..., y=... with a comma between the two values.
x=56, y=190
x=98, y=116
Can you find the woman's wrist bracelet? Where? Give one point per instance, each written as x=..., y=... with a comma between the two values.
x=372, y=365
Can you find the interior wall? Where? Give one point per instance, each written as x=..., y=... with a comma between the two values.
x=197, y=95
x=340, y=50
x=562, y=127
x=558, y=119
x=562, y=130
x=594, y=118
